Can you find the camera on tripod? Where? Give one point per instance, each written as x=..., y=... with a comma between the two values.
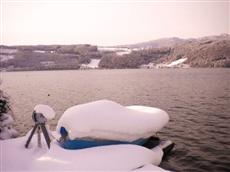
x=40, y=115
x=39, y=118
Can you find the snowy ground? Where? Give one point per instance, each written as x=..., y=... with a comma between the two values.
x=15, y=157
x=112, y=121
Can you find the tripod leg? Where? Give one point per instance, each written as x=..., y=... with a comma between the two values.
x=31, y=135
x=39, y=137
x=46, y=135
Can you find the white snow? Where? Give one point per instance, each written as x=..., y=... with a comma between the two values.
x=119, y=50
x=150, y=167
x=39, y=51
x=15, y=157
x=94, y=63
x=46, y=110
x=8, y=132
x=100, y=119
x=177, y=62
x=5, y=57
x=105, y=119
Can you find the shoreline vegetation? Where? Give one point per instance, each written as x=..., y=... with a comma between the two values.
x=205, y=52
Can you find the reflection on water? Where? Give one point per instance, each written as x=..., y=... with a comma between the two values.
x=197, y=100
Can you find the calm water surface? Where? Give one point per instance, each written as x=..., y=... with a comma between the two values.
x=197, y=100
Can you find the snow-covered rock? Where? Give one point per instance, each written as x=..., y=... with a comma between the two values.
x=108, y=120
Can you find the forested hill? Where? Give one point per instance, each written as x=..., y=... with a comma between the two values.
x=211, y=51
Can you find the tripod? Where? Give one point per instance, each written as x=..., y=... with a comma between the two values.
x=39, y=125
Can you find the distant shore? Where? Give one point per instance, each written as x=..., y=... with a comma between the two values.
x=206, y=52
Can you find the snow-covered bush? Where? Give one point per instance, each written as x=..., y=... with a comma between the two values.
x=6, y=120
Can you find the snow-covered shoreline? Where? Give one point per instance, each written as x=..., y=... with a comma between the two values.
x=15, y=157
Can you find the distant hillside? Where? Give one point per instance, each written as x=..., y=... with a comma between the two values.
x=210, y=51
x=135, y=59
x=47, y=57
x=158, y=43
x=213, y=51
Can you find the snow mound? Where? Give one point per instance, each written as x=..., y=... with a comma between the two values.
x=46, y=110
x=108, y=120
x=104, y=158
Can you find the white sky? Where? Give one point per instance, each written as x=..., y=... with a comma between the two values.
x=109, y=22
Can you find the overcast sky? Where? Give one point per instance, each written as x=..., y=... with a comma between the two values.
x=109, y=22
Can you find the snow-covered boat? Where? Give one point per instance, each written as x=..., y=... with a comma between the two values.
x=106, y=122
x=101, y=135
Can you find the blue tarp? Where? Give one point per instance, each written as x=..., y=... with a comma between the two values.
x=83, y=143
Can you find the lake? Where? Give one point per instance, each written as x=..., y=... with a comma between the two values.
x=197, y=100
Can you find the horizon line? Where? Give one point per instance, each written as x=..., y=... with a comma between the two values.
x=227, y=34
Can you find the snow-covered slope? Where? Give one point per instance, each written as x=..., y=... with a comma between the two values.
x=94, y=63
x=177, y=62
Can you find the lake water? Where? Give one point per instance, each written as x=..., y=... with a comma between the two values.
x=197, y=100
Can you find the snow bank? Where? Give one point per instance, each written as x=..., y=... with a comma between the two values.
x=108, y=158
x=105, y=119
x=116, y=157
